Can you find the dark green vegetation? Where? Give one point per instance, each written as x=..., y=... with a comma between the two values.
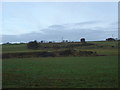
x=101, y=47
x=62, y=72
x=72, y=72
x=69, y=52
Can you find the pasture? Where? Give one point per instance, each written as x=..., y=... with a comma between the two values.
x=101, y=47
x=62, y=72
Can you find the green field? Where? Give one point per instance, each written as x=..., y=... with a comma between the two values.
x=62, y=72
x=101, y=47
x=66, y=72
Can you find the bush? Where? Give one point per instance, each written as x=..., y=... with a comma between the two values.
x=33, y=45
x=112, y=46
x=67, y=52
x=86, y=53
x=46, y=54
x=28, y=54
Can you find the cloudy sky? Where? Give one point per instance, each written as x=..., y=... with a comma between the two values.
x=50, y=21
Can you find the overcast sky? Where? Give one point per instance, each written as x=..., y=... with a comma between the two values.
x=26, y=21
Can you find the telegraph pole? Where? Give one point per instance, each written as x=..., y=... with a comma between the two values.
x=62, y=39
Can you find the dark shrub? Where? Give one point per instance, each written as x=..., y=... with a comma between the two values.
x=112, y=46
x=33, y=45
x=28, y=54
x=67, y=52
x=86, y=53
x=46, y=54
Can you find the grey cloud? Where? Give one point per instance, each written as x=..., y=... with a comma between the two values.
x=56, y=27
x=72, y=24
x=56, y=32
x=88, y=22
x=57, y=35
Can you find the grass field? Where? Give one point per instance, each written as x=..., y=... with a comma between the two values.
x=99, y=46
x=61, y=72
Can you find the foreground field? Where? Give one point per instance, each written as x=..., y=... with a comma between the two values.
x=59, y=72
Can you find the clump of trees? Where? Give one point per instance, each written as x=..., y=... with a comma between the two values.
x=110, y=39
x=83, y=40
x=33, y=45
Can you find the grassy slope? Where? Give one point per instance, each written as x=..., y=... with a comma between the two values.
x=101, y=47
x=75, y=72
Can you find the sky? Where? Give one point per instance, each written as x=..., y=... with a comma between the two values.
x=50, y=21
